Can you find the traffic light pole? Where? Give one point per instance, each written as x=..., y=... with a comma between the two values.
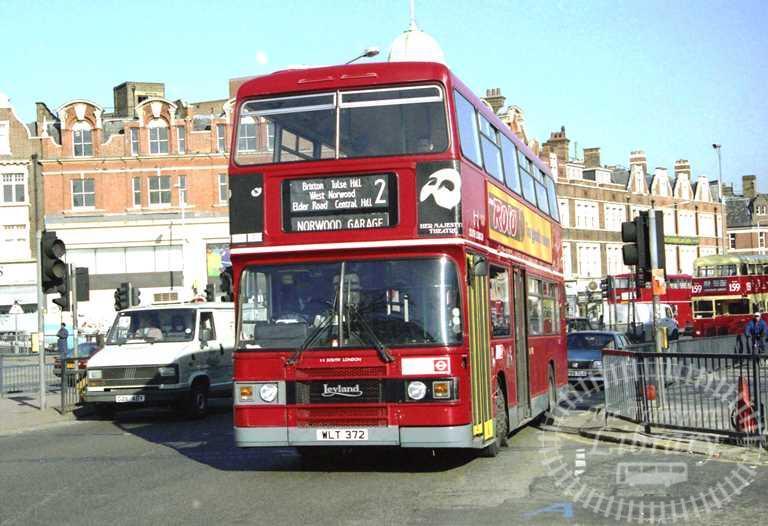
x=72, y=276
x=39, y=223
x=654, y=264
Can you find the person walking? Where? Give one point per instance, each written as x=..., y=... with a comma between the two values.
x=62, y=336
x=755, y=332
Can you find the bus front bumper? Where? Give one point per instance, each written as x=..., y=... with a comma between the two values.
x=429, y=437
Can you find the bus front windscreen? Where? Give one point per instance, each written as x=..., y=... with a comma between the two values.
x=371, y=123
x=350, y=304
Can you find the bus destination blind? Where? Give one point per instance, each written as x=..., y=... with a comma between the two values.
x=339, y=203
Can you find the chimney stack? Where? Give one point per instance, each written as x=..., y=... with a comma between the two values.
x=494, y=97
x=749, y=186
x=638, y=158
x=592, y=158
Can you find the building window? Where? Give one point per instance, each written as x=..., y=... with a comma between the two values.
x=707, y=225
x=565, y=215
x=615, y=215
x=669, y=222
x=5, y=138
x=614, y=260
x=13, y=188
x=221, y=137
x=134, y=141
x=158, y=137
x=83, y=194
x=567, y=266
x=160, y=190
x=15, y=242
x=588, y=260
x=731, y=241
x=761, y=240
x=686, y=223
x=223, y=188
x=136, y=184
x=182, y=190
x=181, y=138
x=587, y=215
x=246, y=138
x=82, y=139
x=670, y=252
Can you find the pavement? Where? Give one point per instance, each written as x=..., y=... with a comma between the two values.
x=20, y=413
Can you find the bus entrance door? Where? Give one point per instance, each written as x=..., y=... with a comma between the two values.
x=521, y=346
x=480, y=348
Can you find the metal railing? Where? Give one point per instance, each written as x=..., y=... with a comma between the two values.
x=699, y=392
x=22, y=376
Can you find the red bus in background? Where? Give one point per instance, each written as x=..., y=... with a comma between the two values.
x=727, y=289
x=396, y=260
x=678, y=296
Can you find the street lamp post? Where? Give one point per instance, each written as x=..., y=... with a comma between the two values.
x=368, y=53
x=720, y=239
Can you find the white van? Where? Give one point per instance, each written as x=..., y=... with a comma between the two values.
x=178, y=354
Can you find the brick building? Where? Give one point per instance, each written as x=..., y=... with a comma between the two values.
x=595, y=199
x=138, y=192
x=18, y=221
x=747, y=222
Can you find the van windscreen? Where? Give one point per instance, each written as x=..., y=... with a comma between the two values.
x=160, y=325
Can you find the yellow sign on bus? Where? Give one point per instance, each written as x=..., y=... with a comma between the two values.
x=517, y=227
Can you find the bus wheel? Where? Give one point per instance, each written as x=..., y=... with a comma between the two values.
x=500, y=422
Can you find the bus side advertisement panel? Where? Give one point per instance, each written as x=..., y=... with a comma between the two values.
x=517, y=227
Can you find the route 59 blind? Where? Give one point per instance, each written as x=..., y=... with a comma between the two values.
x=340, y=203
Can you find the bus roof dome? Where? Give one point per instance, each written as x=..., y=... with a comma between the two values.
x=414, y=45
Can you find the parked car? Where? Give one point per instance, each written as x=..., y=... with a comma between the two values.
x=585, y=353
x=175, y=354
x=85, y=351
x=579, y=324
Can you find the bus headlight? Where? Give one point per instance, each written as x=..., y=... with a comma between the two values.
x=416, y=390
x=268, y=392
x=94, y=374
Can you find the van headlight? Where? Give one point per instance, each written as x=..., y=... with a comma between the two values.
x=597, y=364
x=94, y=374
x=268, y=392
x=166, y=371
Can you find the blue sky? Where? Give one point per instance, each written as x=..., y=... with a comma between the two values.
x=669, y=77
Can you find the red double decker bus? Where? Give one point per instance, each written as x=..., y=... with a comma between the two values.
x=678, y=296
x=396, y=260
x=726, y=291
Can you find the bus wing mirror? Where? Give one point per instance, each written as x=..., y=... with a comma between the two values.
x=479, y=268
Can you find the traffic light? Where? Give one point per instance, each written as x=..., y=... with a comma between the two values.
x=53, y=271
x=209, y=292
x=122, y=296
x=636, y=251
x=82, y=284
x=62, y=287
x=135, y=295
x=225, y=285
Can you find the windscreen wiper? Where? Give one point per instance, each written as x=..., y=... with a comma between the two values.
x=311, y=337
x=386, y=357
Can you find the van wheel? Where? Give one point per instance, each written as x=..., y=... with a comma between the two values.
x=197, y=403
x=104, y=411
x=500, y=422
